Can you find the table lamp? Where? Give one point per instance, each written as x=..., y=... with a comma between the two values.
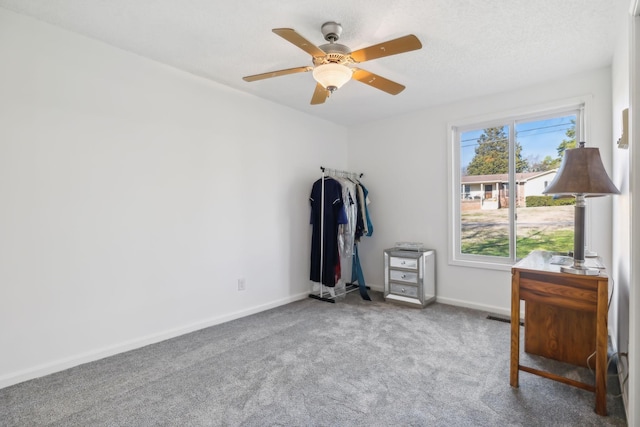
x=581, y=174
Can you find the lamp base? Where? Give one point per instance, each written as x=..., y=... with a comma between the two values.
x=585, y=271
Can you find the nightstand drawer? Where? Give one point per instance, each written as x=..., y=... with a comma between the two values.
x=409, y=263
x=403, y=276
x=406, y=290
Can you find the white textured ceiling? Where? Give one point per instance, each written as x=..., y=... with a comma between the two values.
x=470, y=47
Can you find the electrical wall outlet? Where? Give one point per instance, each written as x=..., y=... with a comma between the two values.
x=242, y=284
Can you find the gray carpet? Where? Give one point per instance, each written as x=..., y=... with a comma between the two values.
x=311, y=363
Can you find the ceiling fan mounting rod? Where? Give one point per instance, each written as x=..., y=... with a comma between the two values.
x=331, y=31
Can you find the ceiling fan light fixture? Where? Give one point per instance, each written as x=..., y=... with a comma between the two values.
x=332, y=76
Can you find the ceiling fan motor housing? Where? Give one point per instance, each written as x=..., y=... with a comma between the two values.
x=335, y=53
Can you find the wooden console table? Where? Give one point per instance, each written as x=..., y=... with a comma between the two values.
x=565, y=319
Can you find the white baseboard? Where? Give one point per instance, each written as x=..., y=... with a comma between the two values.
x=624, y=391
x=376, y=288
x=90, y=356
x=462, y=303
x=475, y=306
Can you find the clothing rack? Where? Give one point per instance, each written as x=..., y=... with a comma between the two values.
x=356, y=271
x=337, y=172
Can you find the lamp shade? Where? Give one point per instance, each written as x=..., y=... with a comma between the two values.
x=581, y=172
x=332, y=76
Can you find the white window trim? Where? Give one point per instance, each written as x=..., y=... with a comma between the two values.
x=454, y=127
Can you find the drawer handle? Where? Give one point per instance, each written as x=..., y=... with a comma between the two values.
x=403, y=262
x=403, y=291
x=404, y=276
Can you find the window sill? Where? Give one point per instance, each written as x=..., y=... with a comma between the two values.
x=485, y=265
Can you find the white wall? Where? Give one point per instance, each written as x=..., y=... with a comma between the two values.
x=633, y=410
x=134, y=196
x=621, y=265
x=405, y=161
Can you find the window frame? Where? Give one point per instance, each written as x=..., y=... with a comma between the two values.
x=579, y=106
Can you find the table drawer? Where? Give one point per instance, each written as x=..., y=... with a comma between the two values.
x=409, y=263
x=403, y=276
x=405, y=290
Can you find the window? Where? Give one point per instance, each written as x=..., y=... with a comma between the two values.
x=493, y=225
x=466, y=191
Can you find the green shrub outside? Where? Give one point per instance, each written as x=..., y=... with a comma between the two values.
x=538, y=201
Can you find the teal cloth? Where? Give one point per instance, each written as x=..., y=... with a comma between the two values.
x=358, y=276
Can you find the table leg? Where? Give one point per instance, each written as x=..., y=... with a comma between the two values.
x=515, y=328
x=601, y=348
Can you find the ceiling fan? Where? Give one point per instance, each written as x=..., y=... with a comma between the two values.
x=332, y=61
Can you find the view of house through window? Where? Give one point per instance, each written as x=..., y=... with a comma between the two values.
x=503, y=172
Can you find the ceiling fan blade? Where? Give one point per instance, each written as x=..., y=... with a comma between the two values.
x=388, y=48
x=292, y=36
x=319, y=95
x=378, y=82
x=276, y=73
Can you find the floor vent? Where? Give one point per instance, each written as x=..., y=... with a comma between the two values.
x=502, y=319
